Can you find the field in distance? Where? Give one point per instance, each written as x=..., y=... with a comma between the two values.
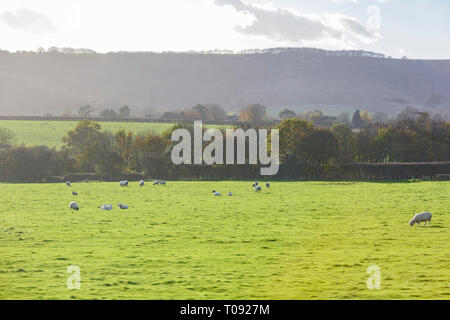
x=296, y=240
x=50, y=133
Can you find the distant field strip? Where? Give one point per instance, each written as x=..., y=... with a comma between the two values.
x=296, y=240
x=50, y=133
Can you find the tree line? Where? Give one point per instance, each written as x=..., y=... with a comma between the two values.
x=256, y=113
x=306, y=151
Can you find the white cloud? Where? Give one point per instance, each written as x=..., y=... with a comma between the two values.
x=283, y=25
x=345, y=1
x=177, y=25
x=28, y=20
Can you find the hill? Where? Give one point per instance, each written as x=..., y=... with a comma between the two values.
x=37, y=83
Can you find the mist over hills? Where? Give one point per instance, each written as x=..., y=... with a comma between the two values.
x=55, y=81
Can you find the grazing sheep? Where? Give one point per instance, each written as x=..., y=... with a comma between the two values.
x=74, y=193
x=123, y=183
x=162, y=182
x=217, y=194
x=267, y=185
x=122, y=206
x=421, y=217
x=107, y=207
x=155, y=182
x=230, y=194
x=73, y=206
x=68, y=183
x=141, y=183
x=256, y=187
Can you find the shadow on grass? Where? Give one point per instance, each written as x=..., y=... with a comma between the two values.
x=391, y=181
x=330, y=182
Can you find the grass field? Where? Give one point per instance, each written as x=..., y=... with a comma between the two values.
x=50, y=133
x=297, y=240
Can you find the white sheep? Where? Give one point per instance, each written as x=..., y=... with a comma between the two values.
x=421, y=217
x=141, y=183
x=162, y=182
x=107, y=207
x=267, y=185
x=123, y=183
x=217, y=194
x=73, y=206
x=122, y=206
x=155, y=182
x=256, y=187
x=230, y=194
x=68, y=183
x=74, y=193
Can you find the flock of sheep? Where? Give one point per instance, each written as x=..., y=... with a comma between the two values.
x=73, y=205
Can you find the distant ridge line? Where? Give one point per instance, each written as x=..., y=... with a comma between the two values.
x=277, y=50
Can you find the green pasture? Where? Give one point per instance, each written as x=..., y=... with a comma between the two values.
x=50, y=133
x=296, y=240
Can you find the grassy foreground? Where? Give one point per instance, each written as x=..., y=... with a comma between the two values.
x=296, y=240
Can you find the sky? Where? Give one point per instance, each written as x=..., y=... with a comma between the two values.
x=418, y=29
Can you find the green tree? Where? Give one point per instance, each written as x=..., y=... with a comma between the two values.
x=216, y=112
x=357, y=121
x=32, y=163
x=367, y=148
x=102, y=157
x=154, y=155
x=292, y=131
x=81, y=139
x=346, y=142
x=202, y=112
x=287, y=114
x=85, y=111
x=84, y=135
x=316, y=150
x=366, y=118
x=126, y=148
x=108, y=113
x=318, y=118
x=6, y=138
x=254, y=112
x=124, y=111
